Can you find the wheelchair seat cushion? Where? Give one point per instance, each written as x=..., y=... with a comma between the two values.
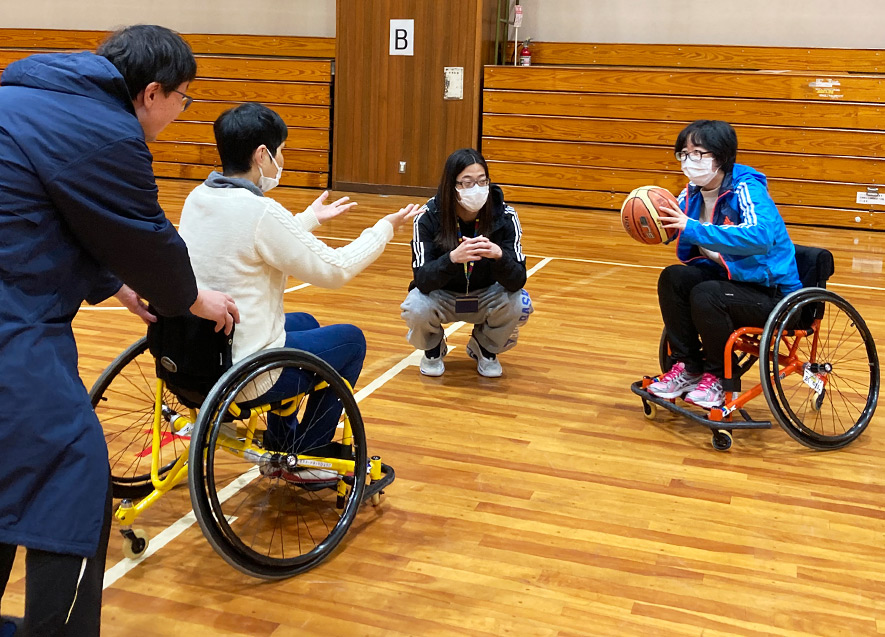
x=190, y=355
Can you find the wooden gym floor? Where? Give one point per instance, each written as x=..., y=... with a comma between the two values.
x=543, y=503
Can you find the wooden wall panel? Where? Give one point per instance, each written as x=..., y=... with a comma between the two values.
x=709, y=56
x=391, y=108
x=649, y=81
x=231, y=70
x=807, y=113
x=591, y=134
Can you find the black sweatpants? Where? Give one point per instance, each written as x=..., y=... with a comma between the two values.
x=55, y=590
x=701, y=308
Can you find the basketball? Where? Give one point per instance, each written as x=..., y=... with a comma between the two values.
x=639, y=214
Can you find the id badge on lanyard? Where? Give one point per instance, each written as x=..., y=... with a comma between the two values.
x=469, y=303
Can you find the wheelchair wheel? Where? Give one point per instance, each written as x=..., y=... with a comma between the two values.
x=123, y=399
x=263, y=511
x=831, y=399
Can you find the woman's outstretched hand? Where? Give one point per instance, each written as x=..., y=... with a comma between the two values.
x=332, y=210
x=408, y=213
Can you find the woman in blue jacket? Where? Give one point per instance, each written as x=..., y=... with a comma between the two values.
x=738, y=261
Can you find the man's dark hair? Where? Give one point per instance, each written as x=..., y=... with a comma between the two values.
x=145, y=53
x=239, y=131
x=717, y=137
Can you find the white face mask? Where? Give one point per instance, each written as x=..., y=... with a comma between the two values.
x=269, y=183
x=700, y=172
x=474, y=198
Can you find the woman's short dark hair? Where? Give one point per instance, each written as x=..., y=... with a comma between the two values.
x=716, y=136
x=447, y=202
x=145, y=53
x=239, y=131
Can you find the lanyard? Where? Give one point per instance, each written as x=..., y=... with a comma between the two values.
x=468, y=267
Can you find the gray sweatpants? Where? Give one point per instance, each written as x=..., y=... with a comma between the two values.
x=501, y=314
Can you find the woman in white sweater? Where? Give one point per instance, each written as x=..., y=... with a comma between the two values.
x=247, y=245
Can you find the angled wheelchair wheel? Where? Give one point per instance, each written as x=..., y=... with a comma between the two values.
x=830, y=396
x=123, y=399
x=265, y=508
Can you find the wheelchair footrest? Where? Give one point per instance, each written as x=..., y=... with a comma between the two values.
x=702, y=419
x=376, y=487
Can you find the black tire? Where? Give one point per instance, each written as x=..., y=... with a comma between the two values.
x=841, y=360
x=258, y=521
x=721, y=440
x=123, y=399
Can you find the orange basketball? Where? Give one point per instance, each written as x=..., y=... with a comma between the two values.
x=639, y=214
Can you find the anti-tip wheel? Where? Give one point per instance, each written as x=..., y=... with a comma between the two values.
x=135, y=546
x=721, y=440
x=650, y=410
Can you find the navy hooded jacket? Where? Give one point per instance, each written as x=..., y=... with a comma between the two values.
x=78, y=216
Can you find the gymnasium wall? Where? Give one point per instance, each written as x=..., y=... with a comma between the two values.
x=853, y=24
x=812, y=23
x=258, y=17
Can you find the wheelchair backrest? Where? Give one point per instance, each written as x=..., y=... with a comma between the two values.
x=190, y=355
x=815, y=266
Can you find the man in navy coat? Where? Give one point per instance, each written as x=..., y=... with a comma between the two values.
x=79, y=220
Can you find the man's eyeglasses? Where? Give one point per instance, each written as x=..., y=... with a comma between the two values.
x=470, y=183
x=187, y=100
x=694, y=155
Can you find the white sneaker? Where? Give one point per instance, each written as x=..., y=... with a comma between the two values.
x=434, y=366
x=674, y=383
x=488, y=367
x=708, y=394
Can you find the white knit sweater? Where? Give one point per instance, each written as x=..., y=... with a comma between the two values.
x=247, y=246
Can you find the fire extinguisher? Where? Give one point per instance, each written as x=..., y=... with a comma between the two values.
x=525, y=54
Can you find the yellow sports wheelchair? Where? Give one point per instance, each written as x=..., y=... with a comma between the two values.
x=270, y=510
x=818, y=366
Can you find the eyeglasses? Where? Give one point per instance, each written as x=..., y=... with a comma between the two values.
x=694, y=155
x=470, y=183
x=187, y=100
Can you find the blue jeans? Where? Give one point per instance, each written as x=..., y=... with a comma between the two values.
x=344, y=348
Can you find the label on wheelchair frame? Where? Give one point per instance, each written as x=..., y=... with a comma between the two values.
x=314, y=463
x=813, y=381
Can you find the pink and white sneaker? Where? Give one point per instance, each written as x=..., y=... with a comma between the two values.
x=708, y=394
x=674, y=383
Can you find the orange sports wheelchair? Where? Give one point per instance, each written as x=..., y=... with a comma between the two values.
x=819, y=371
x=173, y=408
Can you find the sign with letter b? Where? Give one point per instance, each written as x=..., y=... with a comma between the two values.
x=402, y=37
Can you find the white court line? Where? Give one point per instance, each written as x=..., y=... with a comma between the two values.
x=297, y=287
x=178, y=527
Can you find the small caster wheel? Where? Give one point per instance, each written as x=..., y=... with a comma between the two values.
x=818, y=401
x=650, y=410
x=135, y=544
x=376, y=499
x=721, y=440
x=339, y=502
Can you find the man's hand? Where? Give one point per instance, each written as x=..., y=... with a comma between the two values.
x=332, y=210
x=218, y=307
x=134, y=304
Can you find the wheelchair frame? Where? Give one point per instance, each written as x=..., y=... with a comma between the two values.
x=775, y=365
x=213, y=427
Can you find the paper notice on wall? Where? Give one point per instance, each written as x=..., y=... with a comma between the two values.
x=454, y=89
x=827, y=88
x=871, y=197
